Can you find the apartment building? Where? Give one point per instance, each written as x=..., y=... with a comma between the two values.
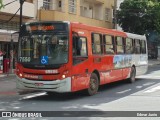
x=91, y=12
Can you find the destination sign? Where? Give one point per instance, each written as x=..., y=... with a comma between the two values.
x=37, y=27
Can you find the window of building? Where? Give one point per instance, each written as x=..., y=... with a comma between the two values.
x=46, y=4
x=129, y=46
x=96, y=43
x=109, y=47
x=59, y=3
x=72, y=6
x=107, y=14
x=143, y=47
x=120, y=45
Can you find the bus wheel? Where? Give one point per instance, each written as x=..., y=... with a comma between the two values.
x=93, y=85
x=132, y=75
x=50, y=93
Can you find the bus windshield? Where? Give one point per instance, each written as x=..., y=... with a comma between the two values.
x=38, y=47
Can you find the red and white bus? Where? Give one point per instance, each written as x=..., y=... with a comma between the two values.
x=68, y=57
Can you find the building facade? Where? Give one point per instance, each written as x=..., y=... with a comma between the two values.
x=92, y=12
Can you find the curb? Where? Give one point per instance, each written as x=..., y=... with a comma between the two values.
x=6, y=76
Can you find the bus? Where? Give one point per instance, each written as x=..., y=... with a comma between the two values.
x=61, y=56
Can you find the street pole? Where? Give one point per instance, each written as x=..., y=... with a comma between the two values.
x=20, y=18
x=11, y=55
x=115, y=14
x=11, y=44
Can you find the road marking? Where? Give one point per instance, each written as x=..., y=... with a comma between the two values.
x=150, y=77
x=152, y=89
x=124, y=91
x=32, y=96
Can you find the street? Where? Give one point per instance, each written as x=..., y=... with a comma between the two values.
x=143, y=95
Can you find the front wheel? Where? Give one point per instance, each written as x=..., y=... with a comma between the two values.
x=93, y=85
x=132, y=77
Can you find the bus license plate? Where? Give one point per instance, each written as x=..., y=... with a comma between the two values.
x=39, y=84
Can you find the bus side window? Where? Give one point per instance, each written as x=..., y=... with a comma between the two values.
x=77, y=44
x=137, y=46
x=129, y=46
x=109, y=47
x=97, y=43
x=143, y=47
x=83, y=51
x=120, y=45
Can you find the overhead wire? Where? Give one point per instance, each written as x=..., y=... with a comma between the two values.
x=9, y=3
x=11, y=17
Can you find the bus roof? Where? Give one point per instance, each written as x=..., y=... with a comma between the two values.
x=135, y=36
x=98, y=29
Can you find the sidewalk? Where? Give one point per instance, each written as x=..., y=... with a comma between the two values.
x=4, y=75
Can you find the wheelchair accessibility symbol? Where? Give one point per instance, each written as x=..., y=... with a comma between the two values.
x=44, y=60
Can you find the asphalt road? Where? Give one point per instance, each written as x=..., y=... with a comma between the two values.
x=143, y=95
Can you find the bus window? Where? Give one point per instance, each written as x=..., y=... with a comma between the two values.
x=143, y=47
x=129, y=46
x=120, y=46
x=83, y=51
x=44, y=45
x=26, y=47
x=77, y=44
x=109, y=47
x=137, y=46
x=96, y=43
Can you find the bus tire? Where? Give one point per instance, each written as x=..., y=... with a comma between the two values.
x=93, y=85
x=50, y=93
x=132, y=77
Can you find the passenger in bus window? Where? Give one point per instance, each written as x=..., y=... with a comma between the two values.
x=53, y=46
x=54, y=41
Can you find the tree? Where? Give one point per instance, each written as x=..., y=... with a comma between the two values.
x=1, y=4
x=139, y=16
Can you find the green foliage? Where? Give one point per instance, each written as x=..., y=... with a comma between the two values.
x=139, y=16
x=157, y=17
x=1, y=4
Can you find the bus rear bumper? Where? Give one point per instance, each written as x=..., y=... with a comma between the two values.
x=53, y=86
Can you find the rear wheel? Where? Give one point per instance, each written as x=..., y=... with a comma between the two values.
x=132, y=77
x=93, y=85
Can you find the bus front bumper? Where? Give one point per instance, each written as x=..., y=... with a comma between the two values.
x=53, y=86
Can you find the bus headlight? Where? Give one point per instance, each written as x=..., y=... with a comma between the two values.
x=63, y=76
x=20, y=74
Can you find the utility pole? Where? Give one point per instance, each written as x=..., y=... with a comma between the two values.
x=12, y=52
x=11, y=43
x=11, y=55
x=115, y=14
x=20, y=18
